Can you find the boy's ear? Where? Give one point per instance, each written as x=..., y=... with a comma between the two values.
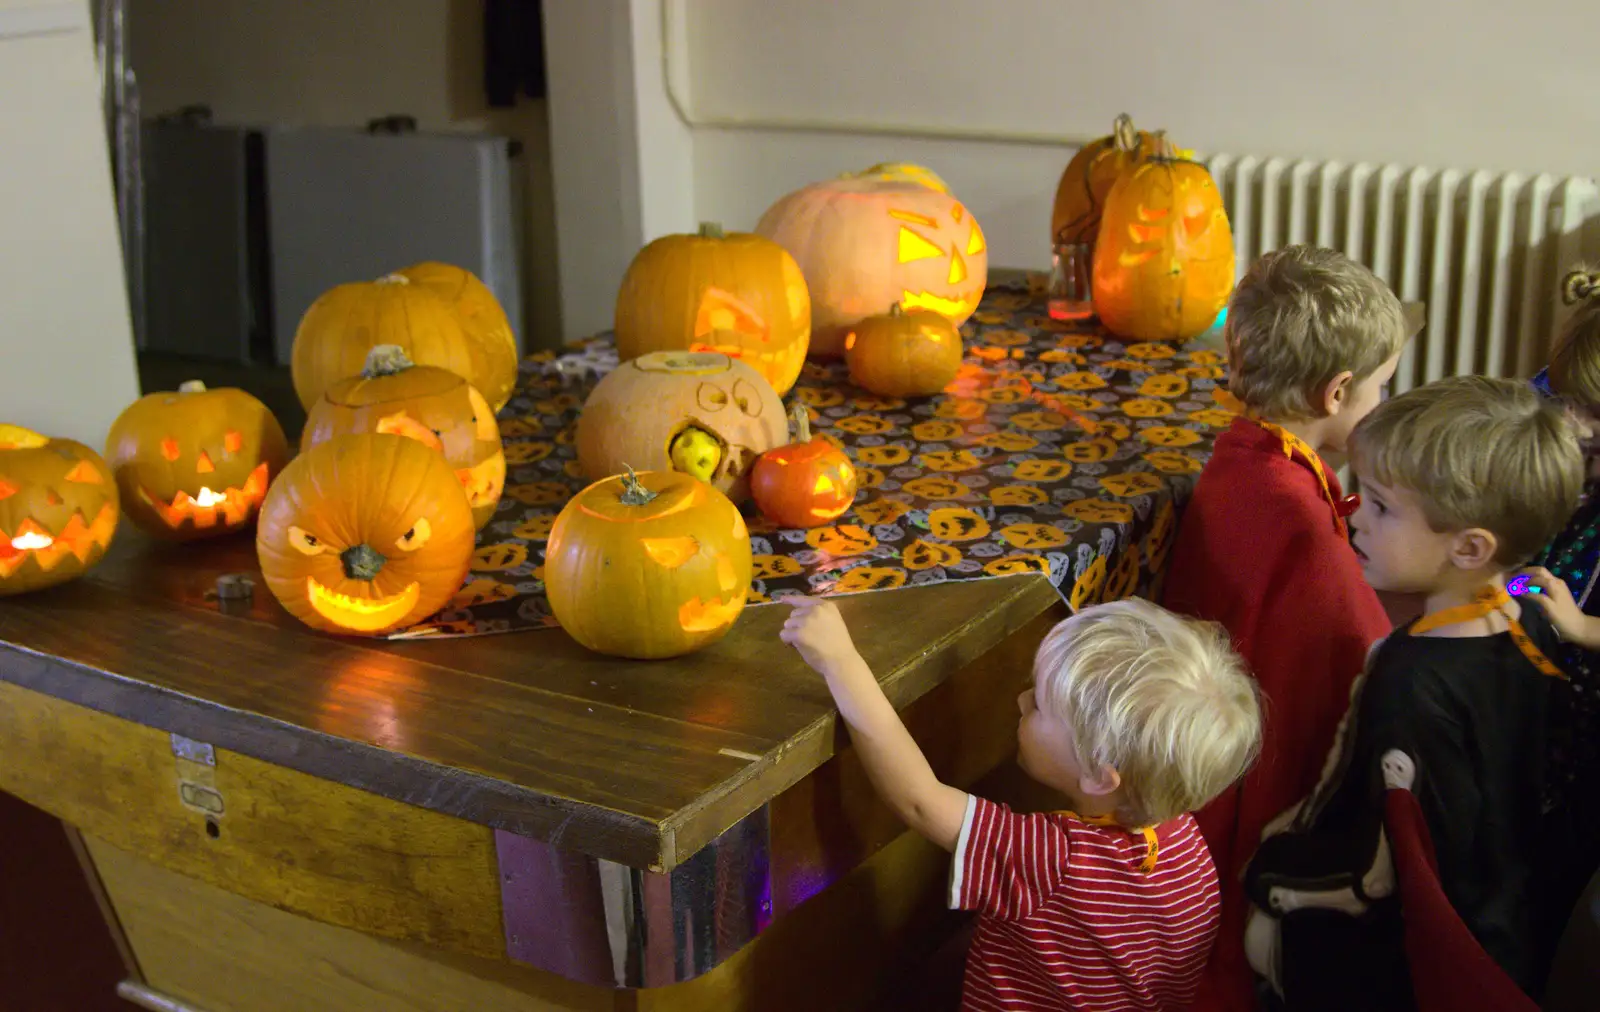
x=1101, y=782
x=1473, y=548
x=1333, y=394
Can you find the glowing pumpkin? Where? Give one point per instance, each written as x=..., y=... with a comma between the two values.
x=740, y=294
x=648, y=565
x=903, y=354
x=481, y=317
x=195, y=463
x=1089, y=176
x=365, y=534
x=422, y=317
x=701, y=413
x=58, y=510
x=807, y=483
x=866, y=243
x=426, y=403
x=1163, y=266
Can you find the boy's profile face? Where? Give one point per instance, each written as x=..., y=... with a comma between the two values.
x=1046, y=750
x=1398, y=549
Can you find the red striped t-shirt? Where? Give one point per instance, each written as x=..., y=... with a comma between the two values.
x=1067, y=920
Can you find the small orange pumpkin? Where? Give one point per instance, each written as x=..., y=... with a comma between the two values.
x=58, y=510
x=648, y=565
x=431, y=405
x=1088, y=178
x=365, y=534
x=903, y=354
x=807, y=483
x=740, y=294
x=195, y=463
x=1163, y=265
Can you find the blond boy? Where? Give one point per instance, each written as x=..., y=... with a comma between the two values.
x=1462, y=481
x=1135, y=717
x=1263, y=549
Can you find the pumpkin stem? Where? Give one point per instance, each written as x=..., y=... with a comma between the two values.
x=192, y=387
x=802, y=422
x=1123, y=135
x=386, y=360
x=711, y=230
x=1165, y=149
x=633, y=493
x=897, y=310
x=393, y=279
x=362, y=562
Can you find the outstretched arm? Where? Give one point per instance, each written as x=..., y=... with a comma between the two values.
x=895, y=764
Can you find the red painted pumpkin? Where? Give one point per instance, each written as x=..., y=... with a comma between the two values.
x=807, y=483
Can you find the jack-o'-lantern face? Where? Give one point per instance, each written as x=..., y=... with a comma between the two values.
x=700, y=413
x=865, y=578
x=957, y=523
x=1017, y=565
x=1123, y=577
x=195, y=463
x=434, y=406
x=806, y=483
x=58, y=510
x=920, y=555
x=1086, y=588
x=1159, y=540
x=364, y=534
x=864, y=244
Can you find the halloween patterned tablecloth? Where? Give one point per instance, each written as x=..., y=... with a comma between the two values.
x=1058, y=449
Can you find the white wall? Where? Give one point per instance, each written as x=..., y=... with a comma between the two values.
x=66, y=343
x=1471, y=84
x=341, y=63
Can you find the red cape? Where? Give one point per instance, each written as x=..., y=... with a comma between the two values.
x=1259, y=550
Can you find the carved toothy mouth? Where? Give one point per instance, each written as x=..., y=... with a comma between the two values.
x=698, y=615
x=233, y=506
x=77, y=538
x=964, y=306
x=362, y=614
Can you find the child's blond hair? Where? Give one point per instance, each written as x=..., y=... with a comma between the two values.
x=1478, y=452
x=1162, y=699
x=1300, y=316
x=1575, y=358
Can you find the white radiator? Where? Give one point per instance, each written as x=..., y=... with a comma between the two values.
x=1485, y=250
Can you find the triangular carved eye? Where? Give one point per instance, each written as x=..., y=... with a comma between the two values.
x=975, y=243
x=169, y=448
x=233, y=440
x=914, y=247
x=84, y=473
x=7, y=490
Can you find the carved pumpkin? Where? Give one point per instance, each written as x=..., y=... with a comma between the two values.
x=58, y=510
x=1089, y=176
x=481, y=317
x=864, y=244
x=365, y=534
x=648, y=565
x=903, y=354
x=701, y=413
x=437, y=408
x=350, y=320
x=902, y=172
x=1163, y=266
x=807, y=483
x=740, y=294
x=195, y=463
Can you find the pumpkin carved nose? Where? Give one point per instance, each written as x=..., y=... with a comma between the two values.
x=362, y=562
x=202, y=464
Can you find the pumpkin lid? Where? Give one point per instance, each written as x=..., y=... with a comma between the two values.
x=635, y=498
x=15, y=437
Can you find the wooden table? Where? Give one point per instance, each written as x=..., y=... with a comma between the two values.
x=279, y=819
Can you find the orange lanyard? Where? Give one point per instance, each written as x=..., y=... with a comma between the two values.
x=1290, y=443
x=1152, y=846
x=1485, y=603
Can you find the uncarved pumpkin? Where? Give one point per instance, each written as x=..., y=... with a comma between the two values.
x=701, y=413
x=1163, y=265
x=740, y=294
x=650, y=565
x=483, y=319
x=866, y=243
x=808, y=483
x=1088, y=178
x=903, y=354
x=58, y=510
x=426, y=403
x=195, y=463
x=350, y=320
x=365, y=534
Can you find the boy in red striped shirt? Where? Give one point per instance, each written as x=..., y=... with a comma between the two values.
x=1136, y=717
